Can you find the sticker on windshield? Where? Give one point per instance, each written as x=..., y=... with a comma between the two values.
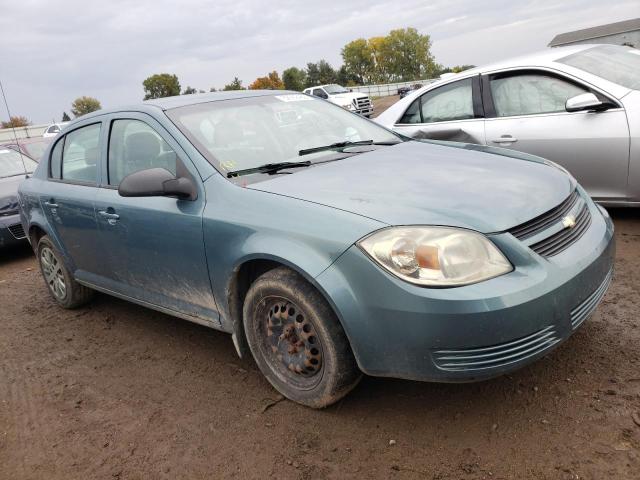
x=294, y=97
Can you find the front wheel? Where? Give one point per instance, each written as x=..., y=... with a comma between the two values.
x=297, y=341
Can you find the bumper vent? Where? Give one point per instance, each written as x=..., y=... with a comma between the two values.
x=17, y=231
x=564, y=238
x=587, y=307
x=544, y=221
x=478, y=359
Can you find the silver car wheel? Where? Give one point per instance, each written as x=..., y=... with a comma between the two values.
x=53, y=275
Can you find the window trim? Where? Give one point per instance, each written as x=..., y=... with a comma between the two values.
x=55, y=145
x=489, y=105
x=476, y=101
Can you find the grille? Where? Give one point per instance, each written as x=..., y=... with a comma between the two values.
x=544, y=221
x=562, y=240
x=17, y=231
x=478, y=359
x=363, y=103
x=587, y=307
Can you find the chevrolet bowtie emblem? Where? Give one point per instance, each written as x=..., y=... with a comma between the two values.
x=569, y=221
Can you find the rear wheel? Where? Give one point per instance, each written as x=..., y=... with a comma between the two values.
x=297, y=341
x=61, y=285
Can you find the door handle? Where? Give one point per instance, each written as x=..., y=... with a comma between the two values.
x=505, y=139
x=111, y=217
x=51, y=203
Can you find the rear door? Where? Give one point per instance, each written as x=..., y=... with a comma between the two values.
x=525, y=111
x=68, y=197
x=451, y=112
x=153, y=246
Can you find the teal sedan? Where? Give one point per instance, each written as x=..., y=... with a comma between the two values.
x=326, y=245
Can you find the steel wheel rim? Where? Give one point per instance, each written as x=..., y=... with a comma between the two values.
x=52, y=271
x=289, y=342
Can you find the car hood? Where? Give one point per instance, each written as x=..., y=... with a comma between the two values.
x=9, y=194
x=415, y=183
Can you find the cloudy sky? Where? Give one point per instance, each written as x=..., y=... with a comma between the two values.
x=53, y=52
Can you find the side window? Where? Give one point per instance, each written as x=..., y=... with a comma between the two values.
x=135, y=146
x=318, y=92
x=55, y=162
x=80, y=154
x=531, y=93
x=447, y=103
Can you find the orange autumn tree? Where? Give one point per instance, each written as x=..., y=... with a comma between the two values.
x=270, y=82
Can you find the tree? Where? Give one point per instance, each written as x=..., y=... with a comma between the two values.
x=359, y=61
x=189, y=91
x=270, y=82
x=327, y=73
x=16, y=122
x=161, y=85
x=294, y=79
x=236, y=84
x=213, y=89
x=345, y=78
x=83, y=105
x=408, y=56
x=66, y=117
x=456, y=69
x=313, y=75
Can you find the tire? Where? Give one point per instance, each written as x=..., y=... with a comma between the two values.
x=61, y=285
x=297, y=340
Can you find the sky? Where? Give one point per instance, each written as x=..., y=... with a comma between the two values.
x=53, y=52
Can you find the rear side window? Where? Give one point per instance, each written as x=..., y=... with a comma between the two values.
x=55, y=163
x=531, y=94
x=444, y=104
x=135, y=146
x=80, y=154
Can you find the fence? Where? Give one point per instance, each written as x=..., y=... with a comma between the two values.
x=388, y=89
x=6, y=134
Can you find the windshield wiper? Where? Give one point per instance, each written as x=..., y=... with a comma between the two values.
x=344, y=144
x=268, y=168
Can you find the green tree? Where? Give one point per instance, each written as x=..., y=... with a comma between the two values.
x=359, y=62
x=294, y=79
x=408, y=56
x=16, y=122
x=213, y=89
x=313, y=75
x=271, y=82
x=83, y=105
x=326, y=72
x=236, y=84
x=161, y=85
x=189, y=91
x=345, y=78
x=66, y=117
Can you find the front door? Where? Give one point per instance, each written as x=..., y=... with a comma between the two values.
x=153, y=246
x=69, y=195
x=452, y=112
x=529, y=115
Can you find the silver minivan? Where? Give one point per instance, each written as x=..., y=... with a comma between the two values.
x=578, y=106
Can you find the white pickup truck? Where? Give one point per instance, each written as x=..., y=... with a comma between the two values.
x=356, y=102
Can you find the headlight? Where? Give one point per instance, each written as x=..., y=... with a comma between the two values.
x=436, y=256
x=348, y=106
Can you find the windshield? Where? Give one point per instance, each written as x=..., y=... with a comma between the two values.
x=333, y=89
x=11, y=163
x=250, y=132
x=36, y=149
x=619, y=65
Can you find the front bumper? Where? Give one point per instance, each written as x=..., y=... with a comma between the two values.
x=11, y=231
x=474, y=332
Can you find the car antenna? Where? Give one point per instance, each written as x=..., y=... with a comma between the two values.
x=13, y=128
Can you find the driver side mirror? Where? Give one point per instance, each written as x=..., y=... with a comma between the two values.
x=585, y=101
x=157, y=182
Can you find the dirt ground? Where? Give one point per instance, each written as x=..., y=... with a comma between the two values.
x=114, y=390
